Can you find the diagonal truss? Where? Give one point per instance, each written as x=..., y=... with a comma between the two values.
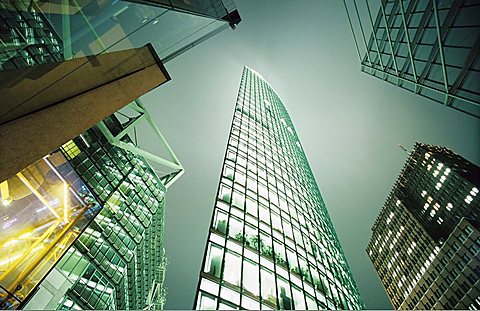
x=390, y=32
x=122, y=140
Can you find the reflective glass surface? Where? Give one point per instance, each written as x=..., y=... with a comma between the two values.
x=44, y=209
x=271, y=243
x=427, y=47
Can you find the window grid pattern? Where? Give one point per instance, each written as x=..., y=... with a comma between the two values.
x=435, y=189
x=453, y=279
x=124, y=243
x=427, y=47
x=271, y=243
x=27, y=38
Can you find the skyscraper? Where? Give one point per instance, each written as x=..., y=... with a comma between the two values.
x=82, y=228
x=425, y=242
x=427, y=47
x=271, y=243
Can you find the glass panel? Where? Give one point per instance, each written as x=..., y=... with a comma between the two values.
x=220, y=221
x=231, y=271
x=46, y=207
x=268, y=286
x=251, y=277
x=214, y=260
x=206, y=302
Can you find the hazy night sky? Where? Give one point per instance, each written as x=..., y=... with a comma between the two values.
x=349, y=124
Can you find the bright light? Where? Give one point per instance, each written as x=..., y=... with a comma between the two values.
x=25, y=235
x=7, y=201
x=11, y=259
x=39, y=247
x=9, y=243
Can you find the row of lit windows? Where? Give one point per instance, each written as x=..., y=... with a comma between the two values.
x=268, y=190
x=257, y=211
x=228, y=267
x=400, y=250
x=448, y=270
x=289, y=150
x=130, y=210
x=239, y=199
x=235, y=226
x=278, y=194
x=261, y=137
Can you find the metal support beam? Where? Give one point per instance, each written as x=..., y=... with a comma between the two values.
x=469, y=61
x=374, y=35
x=363, y=33
x=116, y=140
x=447, y=23
x=387, y=28
x=353, y=32
x=66, y=35
x=440, y=49
x=441, y=92
x=407, y=38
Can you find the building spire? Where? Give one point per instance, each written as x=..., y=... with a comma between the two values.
x=404, y=149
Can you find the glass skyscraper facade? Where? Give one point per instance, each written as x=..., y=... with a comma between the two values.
x=427, y=47
x=271, y=243
x=34, y=32
x=84, y=229
x=425, y=242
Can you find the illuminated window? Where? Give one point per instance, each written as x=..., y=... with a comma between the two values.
x=214, y=260
x=231, y=272
x=268, y=286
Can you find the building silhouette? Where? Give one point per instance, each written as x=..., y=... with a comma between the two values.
x=425, y=241
x=271, y=243
x=427, y=47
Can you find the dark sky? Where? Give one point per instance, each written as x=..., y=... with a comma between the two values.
x=349, y=124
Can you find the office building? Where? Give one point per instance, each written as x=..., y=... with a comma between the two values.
x=427, y=47
x=82, y=228
x=425, y=241
x=58, y=58
x=271, y=243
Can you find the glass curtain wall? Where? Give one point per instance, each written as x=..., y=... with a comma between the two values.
x=49, y=31
x=271, y=243
x=105, y=200
x=427, y=47
x=44, y=209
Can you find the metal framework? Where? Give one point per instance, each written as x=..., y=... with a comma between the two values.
x=428, y=47
x=119, y=140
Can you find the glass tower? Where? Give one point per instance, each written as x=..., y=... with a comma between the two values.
x=271, y=243
x=425, y=242
x=427, y=47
